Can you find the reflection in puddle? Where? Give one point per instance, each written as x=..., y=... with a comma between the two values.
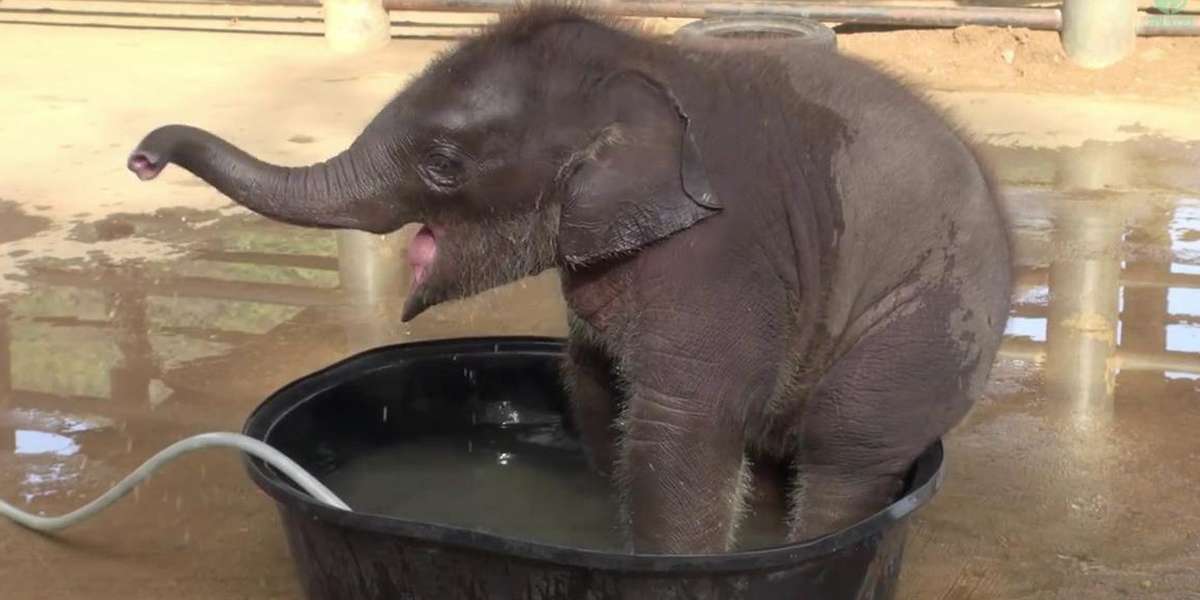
x=48, y=446
x=1183, y=302
x=42, y=442
x=1183, y=338
x=1034, y=329
x=48, y=480
x=1181, y=375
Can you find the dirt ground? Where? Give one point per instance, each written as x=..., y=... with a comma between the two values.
x=132, y=315
x=1020, y=60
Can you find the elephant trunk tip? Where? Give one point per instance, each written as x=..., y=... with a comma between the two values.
x=146, y=165
x=160, y=147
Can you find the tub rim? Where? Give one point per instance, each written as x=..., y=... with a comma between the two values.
x=926, y=479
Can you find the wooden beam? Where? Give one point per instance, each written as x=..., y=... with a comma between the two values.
x=299, y=261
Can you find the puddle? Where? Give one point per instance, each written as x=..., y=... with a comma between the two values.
x=1147, y=162
x=41, y=442
x=15, y=224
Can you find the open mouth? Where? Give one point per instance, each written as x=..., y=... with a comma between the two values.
x=422, y=251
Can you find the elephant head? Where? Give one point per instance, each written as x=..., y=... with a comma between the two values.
x=550, y=140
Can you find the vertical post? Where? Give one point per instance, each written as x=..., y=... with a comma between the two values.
x=374, y=276
x=356, y=26
x=371, y=268
x=1099, y=33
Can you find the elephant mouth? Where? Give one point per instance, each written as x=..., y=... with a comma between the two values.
x=422, y=251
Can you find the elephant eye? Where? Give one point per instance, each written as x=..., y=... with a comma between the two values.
x=443, y=168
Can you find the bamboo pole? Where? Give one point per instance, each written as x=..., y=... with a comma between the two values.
x=1099, y=33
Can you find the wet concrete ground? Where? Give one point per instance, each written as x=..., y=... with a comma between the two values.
x=126, y=327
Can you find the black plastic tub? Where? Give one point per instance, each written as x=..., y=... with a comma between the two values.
x=328, y=417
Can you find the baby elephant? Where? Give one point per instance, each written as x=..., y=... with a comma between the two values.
x=768, y=260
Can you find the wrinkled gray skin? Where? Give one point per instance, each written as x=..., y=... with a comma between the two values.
x=796, y=266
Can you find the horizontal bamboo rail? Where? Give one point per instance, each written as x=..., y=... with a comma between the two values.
x=1031, y=277
x=1167, y=360
x=1034, y=18
x=193, y=287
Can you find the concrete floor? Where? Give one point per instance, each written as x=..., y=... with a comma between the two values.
x=134, y=315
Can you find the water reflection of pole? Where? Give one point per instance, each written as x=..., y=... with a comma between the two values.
x=8, y=434
x=129, y=380
x=1084, y=281
x=1081, y=330
x=1144, y=314
x=374, y=277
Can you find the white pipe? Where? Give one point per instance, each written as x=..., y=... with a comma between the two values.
x=238, y=441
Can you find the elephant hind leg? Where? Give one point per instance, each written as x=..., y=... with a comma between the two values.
x=898, y=390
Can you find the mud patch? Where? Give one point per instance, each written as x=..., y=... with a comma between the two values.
x=167, y=225
x=302, y=139
x=112, y=228
x=120, y=238
x=15, y=224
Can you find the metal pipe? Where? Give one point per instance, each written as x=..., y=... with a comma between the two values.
x=1033, y=18
x=1169, y=25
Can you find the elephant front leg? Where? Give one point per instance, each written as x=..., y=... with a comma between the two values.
x=683, y=472
x=594, y=401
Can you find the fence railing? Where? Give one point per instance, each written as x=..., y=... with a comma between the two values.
x=1095, y=33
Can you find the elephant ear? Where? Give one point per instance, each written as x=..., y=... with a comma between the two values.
x=640, y=180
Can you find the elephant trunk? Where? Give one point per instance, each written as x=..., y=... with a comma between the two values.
x=356, y=189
